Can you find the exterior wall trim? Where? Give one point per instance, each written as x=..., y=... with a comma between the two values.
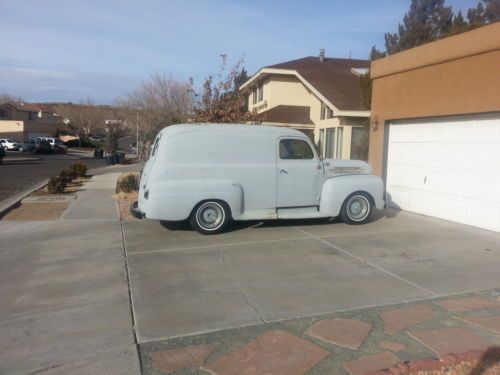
x=471, y=43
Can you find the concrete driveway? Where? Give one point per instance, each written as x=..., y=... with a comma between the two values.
x=183, y=283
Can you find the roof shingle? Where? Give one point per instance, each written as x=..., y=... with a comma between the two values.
x=332, y=78
x=287, y=114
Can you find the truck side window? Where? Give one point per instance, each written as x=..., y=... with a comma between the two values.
x=295, y=149
x=155, y=145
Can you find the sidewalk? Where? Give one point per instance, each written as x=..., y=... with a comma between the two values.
x=64, y=293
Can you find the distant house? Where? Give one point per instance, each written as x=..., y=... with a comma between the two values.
x=320, y=96
x=23, y=120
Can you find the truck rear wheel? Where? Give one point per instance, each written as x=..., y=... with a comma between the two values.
x=210, y=217
x=357, y=208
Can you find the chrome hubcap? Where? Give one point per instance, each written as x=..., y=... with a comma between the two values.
x=358, y=208
x=210, y=216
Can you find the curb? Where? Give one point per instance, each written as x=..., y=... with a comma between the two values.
x=14, y=160
x=8, y=203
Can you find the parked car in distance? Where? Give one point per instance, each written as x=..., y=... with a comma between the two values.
x=57, y=145
x=212, y=174
x=42, y=147
x=96, y=138
x=9, y=144
x=60, y=147
x=27, y=145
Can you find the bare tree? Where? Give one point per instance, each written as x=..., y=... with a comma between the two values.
x=5, y=98
x=83, y=117
x=222, y=101
x=161, y=101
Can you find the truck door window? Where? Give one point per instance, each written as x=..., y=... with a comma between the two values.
x=155, y=145
x=295, y=149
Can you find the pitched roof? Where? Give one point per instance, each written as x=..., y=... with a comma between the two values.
x=25, y=106
x=290, y=114
x=332, y=78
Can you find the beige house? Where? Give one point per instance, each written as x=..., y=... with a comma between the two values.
x=318, y=95
x=22, y=121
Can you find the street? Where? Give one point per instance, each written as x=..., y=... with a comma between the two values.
x=20, y=170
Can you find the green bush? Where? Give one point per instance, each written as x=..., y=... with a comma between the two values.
x=127, y=183
x=79, y=169
x=56, y=185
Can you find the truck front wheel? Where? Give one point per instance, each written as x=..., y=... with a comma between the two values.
x=210, y=217
x=357, y=208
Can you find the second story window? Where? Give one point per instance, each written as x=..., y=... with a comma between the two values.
x=258, y=93
x=325, y=112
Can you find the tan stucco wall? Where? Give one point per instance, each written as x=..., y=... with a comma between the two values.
x=20, y=130
x=12, y=129
x=458, y=75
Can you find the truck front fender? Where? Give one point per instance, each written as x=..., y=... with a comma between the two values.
x=174, y=200
x=335, y=191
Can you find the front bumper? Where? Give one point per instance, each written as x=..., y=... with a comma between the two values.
x=134, y=210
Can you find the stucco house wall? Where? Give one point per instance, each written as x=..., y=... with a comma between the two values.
x=459, y=75
x=21, y=130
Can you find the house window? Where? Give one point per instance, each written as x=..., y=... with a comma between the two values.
x=325, y=112
x=359, y=143
x=340, y=141
x=258, y=93
x=330, y=142
x=295, y=149
x=321, y=142
x=3, y=113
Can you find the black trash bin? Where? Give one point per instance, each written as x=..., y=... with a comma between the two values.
x=101, y=154
x=96, y=153
x=121, y=157
x=110, y=159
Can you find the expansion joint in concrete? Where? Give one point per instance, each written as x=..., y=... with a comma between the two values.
x=225, y=267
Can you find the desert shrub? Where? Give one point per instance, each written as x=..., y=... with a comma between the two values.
x=127, y=183
x=56, y=185
x=67, y=175
x=78, y=168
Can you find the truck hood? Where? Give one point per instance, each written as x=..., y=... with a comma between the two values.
x=335, y=168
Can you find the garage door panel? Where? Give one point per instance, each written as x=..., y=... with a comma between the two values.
x=448, y=169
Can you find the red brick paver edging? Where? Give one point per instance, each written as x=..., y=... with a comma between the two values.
x=274, y=352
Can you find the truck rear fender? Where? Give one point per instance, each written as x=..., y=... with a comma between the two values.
x=175, y=200
x=336, y=190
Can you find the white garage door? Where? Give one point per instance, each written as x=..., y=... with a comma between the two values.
x=448, y=169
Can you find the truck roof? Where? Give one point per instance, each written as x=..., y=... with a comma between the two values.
x=261, y=129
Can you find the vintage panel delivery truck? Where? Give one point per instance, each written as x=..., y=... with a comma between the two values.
x=212, y=174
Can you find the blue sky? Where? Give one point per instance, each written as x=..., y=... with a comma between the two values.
x=61, y=50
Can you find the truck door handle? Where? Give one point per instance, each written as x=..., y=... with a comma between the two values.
x=283, y=171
